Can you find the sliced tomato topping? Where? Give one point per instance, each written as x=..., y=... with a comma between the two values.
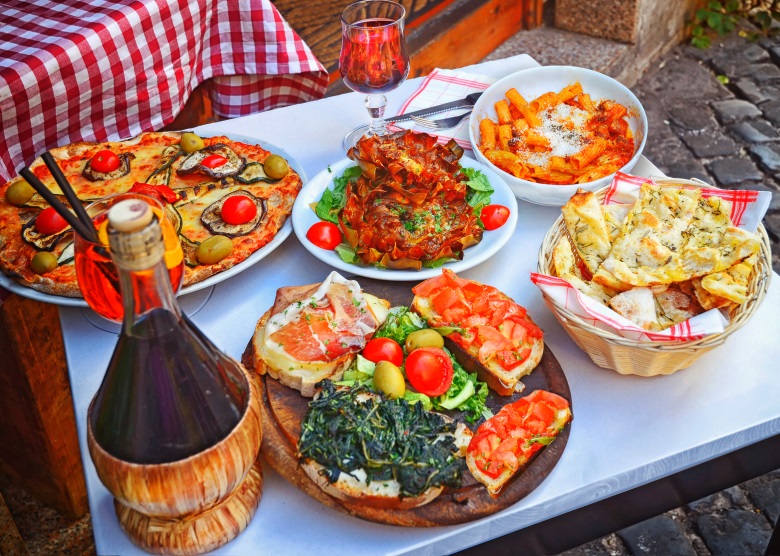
x=489, y=467
x=508, y=359
x=555, y=400
x=533, y=330
x=214, y=161
x=162, y=193
x=424, y=289
x=505, y=441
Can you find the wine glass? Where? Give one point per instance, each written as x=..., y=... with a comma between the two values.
x=373, y=58
x=95, y=271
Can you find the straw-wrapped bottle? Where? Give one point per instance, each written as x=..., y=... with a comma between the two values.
x=174, y=430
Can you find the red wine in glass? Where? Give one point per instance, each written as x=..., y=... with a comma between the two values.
x=373, y=57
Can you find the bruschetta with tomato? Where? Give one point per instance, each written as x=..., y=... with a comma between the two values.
x=504, y=444
x=495, y=336
x=314, y=332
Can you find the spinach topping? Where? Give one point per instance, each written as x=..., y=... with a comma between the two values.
x=388, y=439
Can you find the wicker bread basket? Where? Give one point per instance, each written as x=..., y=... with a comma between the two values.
x=649, y=358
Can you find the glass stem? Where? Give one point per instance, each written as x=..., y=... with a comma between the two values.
x=375, y=104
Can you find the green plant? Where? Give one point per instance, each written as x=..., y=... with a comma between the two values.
x=722, y=18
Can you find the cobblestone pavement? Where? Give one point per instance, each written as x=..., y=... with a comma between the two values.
x=727, y=135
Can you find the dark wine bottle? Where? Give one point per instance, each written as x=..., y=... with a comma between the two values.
x=168, y=392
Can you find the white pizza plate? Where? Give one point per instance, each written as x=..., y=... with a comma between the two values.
x=303, y=217
x=14, y=286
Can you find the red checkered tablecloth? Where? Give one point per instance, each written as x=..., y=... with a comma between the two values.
x=97, y=70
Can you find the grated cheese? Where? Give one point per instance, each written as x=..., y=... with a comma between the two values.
x=564, y=128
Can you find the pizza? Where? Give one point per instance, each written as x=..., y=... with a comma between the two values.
x=209, y=187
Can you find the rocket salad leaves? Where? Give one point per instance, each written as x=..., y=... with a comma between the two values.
x=466, y=393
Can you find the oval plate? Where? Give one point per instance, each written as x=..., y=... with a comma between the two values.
x=12, y=285
x=303, y=217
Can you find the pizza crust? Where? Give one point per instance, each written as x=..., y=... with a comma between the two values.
x=16, y=254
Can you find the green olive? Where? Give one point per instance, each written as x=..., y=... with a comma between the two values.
x=43, y=262
x=276, y=167
x=19, y=193
x=214, y=249
x=389, y=379
x=190, y=142
x=425, y=338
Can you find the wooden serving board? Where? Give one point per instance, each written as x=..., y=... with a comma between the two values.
x=284, y=409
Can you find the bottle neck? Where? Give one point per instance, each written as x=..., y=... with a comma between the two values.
x=144, y=291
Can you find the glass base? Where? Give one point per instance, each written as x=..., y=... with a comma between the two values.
x=351, y=138
x=189, y=304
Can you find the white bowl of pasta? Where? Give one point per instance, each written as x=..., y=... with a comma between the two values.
x=551, y=130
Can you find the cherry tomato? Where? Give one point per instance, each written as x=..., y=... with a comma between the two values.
x=105, y=161
x=494, y=216
x=50, y=222
x=238, y=209
x=213, y=161
x=384, y=349
x=429, y=370
x=325, y=235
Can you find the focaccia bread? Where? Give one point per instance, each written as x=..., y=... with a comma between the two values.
x=674, y=255
x=313, y=332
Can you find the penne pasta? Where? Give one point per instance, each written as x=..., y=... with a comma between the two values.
x=519, y=102
x=502, y=112
x=562, y=137
x=570, y=92
x=504, y=136
x=487, y=134
x=544, y=102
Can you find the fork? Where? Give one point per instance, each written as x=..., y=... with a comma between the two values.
x=443, y=123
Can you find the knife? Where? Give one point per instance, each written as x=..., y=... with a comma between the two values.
x=467, y=102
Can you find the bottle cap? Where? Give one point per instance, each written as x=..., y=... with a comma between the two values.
x=134, y=235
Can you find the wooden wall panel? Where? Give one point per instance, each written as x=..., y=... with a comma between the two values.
x=38, y=441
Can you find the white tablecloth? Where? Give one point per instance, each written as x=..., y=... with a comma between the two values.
x=627, y=431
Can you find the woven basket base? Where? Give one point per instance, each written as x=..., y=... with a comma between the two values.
x=196, y=533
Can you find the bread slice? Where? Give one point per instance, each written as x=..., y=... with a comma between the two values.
x=268, y=356
x=503, y=382
x=379, y=494
x=495, y=485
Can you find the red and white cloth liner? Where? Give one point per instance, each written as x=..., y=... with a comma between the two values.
x=99, y=70
x=442, y=86
x=748, y=209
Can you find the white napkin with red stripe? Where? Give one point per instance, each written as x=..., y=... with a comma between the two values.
x=442, y=86
x=748, y=209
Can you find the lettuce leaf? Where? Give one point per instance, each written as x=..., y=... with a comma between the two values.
x=399, y=324
x=333, y=200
